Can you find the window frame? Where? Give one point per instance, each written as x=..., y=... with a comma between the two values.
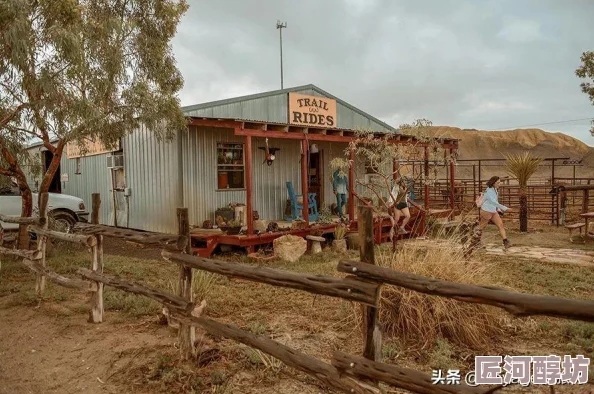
x=226, y=146
x=78, y=165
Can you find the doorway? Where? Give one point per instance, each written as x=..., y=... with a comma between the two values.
x=55, y=186
x=316, y=176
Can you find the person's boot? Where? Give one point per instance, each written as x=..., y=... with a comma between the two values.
x=506, y=244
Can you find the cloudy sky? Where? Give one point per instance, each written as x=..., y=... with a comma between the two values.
x=466, y=63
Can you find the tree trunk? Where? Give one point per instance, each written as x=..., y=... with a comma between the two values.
x=14, y=169
x=51, y=170
x=523, y=210
x=26, y=211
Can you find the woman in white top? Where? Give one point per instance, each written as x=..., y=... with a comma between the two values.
x=399, y=202
x=490, y=209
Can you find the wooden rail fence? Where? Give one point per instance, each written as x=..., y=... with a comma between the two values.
x=345, y=373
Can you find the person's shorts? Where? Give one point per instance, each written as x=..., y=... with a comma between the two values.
x=487, y=215
x=401, y=205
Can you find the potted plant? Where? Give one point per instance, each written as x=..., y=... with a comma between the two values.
x=339, y=244
x=232, y=227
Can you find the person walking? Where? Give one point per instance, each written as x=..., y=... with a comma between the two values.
x=491, y=210
x=398, y=203
x=340, y=187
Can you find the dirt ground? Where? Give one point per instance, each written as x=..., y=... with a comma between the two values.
x=48, y=346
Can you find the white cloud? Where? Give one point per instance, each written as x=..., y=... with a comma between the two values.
x=483, y=65
x=521, y=31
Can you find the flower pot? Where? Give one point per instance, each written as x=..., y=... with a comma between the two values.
x=339, y=245
x=223, y=180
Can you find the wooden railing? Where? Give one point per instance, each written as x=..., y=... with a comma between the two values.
x=346, y=373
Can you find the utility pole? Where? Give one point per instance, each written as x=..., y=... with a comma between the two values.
x=280, y=27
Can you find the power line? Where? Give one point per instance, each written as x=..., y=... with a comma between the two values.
x=542, y=124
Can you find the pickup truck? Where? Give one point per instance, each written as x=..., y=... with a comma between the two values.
x=63, y=210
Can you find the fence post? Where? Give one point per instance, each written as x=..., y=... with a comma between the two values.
x=371, y=330
x=186, y=332
x=563, y=203
x=42, y=243
x=96, y=312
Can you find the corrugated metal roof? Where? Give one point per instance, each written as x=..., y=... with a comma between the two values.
x=190, y=108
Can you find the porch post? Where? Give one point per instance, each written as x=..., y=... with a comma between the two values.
x=351, y=202
x=425, y=191
x=452, y=179
x=304, y=180
x=249, y=186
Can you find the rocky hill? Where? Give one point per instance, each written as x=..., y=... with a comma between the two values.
x=475, y=144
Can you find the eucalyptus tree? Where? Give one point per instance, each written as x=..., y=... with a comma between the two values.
x=76, y=71
x=586, y=71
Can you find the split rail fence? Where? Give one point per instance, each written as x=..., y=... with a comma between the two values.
x=346, y=373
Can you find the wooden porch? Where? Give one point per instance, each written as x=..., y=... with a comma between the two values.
x=204, y=242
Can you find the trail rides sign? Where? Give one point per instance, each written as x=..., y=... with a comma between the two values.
x=311, y=110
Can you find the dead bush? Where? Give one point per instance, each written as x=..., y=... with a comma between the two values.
x=421, y=319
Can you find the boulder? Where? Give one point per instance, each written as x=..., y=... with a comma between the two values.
x=289, y=247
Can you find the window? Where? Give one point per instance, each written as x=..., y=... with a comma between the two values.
x=230, y=166
x=78, y=167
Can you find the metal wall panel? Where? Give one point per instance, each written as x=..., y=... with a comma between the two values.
x=153, y=175
x=93, y=178
x=269, y=182
x=200, y=175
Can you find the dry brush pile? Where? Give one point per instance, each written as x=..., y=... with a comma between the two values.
x=418, y=319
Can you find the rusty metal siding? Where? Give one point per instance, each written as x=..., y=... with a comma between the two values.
x=153, y=175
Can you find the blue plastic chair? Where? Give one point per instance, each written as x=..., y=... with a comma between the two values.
x=297, y=208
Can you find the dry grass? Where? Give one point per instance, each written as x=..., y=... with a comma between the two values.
x=421, y=319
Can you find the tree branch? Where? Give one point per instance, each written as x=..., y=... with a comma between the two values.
x=4, y=121
x=30, y=132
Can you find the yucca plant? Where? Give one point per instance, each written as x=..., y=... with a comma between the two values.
x=522, y=167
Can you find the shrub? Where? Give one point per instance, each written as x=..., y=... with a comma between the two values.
x=340, y=231
x=422, y=318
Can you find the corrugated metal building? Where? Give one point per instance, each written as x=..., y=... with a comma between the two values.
x=157, y=177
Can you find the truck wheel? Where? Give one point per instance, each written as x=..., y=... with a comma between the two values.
x=61, y=221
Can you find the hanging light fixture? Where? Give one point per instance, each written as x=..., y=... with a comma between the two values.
x=313, y=148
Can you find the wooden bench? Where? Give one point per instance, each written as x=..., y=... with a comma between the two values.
x=575, y=226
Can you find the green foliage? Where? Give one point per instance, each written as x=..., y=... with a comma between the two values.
x=132, y=304
x=378, y=154
x=522, y=166
x=586, y=71
x=80, y=71
x=325, y=216
x=442, y=356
